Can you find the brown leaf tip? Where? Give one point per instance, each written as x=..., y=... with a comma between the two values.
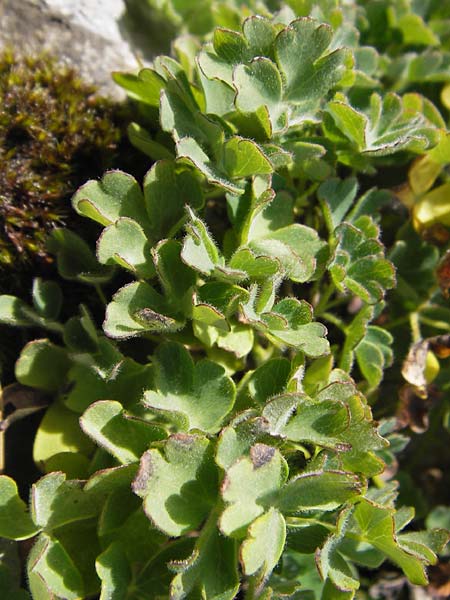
x=183, y=439
x=261, y=454
x=140, y=483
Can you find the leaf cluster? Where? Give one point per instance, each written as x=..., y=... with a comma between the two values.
x=398, y=45
x=213, y=432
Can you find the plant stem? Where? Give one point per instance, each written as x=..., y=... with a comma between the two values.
x=415, y=327
x=396, y=322
x=333, y=319
x=300, y=522
x=436, y=324
x=378, y=482
x=310, y=190
x=100, y=294
x=322, y=305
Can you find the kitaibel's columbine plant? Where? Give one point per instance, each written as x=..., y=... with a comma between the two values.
x=209, y=441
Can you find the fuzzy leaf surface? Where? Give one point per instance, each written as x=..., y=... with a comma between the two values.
x=192, y=396
x=392, y=124
x=167, y=190
x=290, y=322
x=137, y=308
x=114, y=571
x=42, y=365
x=52, y=572
x=116, y=195
x=376, y=525
x=359, y=265
x=75, y=259
x=178, y=485
x=122, y=435
x=15, y=521
x=210, y=571
x=267, y=77
x=319, y=490
x=262, y=549
x=125, y=243
x=56, y=501
x=248, y=487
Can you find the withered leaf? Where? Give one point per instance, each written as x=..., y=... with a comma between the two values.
x=440, y=345
x=413, y=369
x=413, y=409
x=443, y=274
x=436, y=234
x=439, y=580
x=20, y=401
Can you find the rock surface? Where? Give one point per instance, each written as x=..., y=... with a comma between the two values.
x=87, y=34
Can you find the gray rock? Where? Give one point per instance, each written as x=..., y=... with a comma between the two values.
x=86, y=34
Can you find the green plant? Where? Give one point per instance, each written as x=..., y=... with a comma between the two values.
x=210, y=441
x=398, y=45
x=54, y=132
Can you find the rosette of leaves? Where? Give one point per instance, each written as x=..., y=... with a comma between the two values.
x=243, y=93
x=397, y=45
x=391, y=125
x=204, y=440
x=173, y=500
x=253, y=85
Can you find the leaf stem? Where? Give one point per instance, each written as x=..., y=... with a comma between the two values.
x=310, y=190
x=53, y=326
x=301, y=522
x=322, y=305
x=378, y=482
x=333, y=319
x=100, y=294
x=436, y=324
x=396, y=322
x=415, y=327
x=252, y=589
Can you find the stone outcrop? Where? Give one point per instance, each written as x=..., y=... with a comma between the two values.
x=90, y=35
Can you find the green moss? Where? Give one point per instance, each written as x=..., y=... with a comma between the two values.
x=54, y=133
